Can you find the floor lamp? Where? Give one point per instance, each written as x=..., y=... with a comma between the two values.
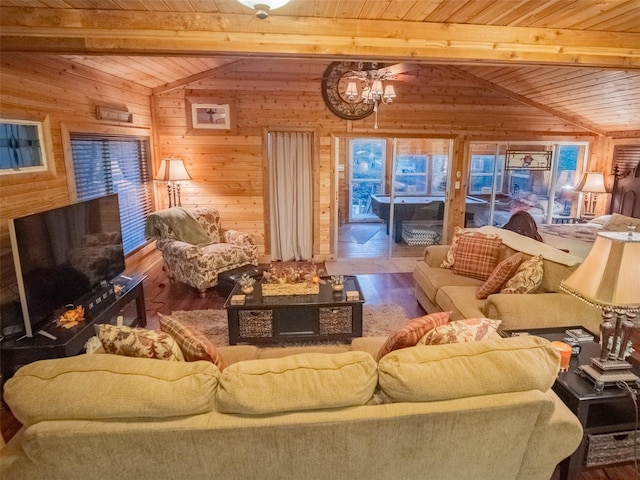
x=608, y=279
x=172, y=171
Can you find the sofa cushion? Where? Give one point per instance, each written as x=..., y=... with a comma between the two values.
x=527, y=278
x=461, y=331
x=409, y=334
x=297, y=382
x=476, y=256
x=459, y=232
x=110, y=387
x=458, y=370
x=503, y=272
x=461, y=301
x=138, y=342
x=431, y=279
x=194, y=345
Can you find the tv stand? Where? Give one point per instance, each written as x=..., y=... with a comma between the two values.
x=40, y=332
x=57, y=342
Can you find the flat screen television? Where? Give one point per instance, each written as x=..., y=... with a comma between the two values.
x=63, y=254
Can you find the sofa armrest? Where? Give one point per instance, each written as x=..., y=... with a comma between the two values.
x=556, y=437
x=435, y=254
x=238, y=238
x=540, y=310
x=178, y=249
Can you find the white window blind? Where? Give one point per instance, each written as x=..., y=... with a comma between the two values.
x=104, y=165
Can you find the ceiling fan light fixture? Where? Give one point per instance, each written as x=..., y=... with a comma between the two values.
x=263, y=7
x=389, y=93
x=352, y=91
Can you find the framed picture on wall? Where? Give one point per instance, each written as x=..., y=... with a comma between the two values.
x=22, y=147
x=211, y=116
x=526, y=160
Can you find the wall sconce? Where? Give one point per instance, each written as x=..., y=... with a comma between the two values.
x=591, y=185
x=172, y=170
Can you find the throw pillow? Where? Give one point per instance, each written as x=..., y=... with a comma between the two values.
x=500, y=275
x=620, y=223
x=194, y=345
x=458, y=233
x=138, y=342
x=476, y=256
x=527, y=278
x=409, y=334
x=460, y=331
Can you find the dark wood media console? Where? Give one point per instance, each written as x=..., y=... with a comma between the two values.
x=17, y=352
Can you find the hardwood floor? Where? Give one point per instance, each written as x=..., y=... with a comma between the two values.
x=163, y=297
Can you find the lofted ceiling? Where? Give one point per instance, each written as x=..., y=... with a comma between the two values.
x=578, y=59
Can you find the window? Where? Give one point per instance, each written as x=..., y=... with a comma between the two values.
x=547, y=195
x=104, y=165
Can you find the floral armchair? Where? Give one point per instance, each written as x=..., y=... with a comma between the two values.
x=196, y=252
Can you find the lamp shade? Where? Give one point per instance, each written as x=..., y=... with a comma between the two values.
x=610, y=275
x=591, y=182
x=172, y=169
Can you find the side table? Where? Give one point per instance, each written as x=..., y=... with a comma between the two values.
x=606, y=412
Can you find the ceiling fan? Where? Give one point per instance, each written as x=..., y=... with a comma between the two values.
x=353, y=90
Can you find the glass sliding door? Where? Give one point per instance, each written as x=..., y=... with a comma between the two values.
x=391, y=195
x=419, y=179
x=367, y=162
x=544, y=190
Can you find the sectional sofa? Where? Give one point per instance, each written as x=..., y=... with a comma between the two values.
x=481, y=410
x=442, y=289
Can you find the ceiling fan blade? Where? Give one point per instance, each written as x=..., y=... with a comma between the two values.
x=400, y=68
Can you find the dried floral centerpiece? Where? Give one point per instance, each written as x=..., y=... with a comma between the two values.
x=291, y=281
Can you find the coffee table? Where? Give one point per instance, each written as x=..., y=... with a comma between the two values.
x=606, y=413
x=327, y=315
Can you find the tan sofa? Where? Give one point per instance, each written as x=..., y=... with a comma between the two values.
x=481, y=410
x=440, y=289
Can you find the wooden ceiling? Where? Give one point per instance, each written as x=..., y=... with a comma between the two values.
x=579, y=59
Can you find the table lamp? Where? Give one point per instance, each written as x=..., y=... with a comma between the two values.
x=172, y=170
x=609, y=279
x=591, y=184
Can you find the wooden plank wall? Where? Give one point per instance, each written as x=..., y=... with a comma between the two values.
x=279, y=94
x=227, y=167
x=36, y=86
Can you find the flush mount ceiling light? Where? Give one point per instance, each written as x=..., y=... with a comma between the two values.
x=263, y=7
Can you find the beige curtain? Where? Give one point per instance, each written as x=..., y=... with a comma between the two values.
x=291, y=198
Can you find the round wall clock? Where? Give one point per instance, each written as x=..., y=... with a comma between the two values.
x=334, y=84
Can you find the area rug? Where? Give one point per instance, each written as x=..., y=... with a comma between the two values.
x=377, y=320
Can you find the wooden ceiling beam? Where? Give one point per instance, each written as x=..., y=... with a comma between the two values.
x=89, y=31
x=214, y=72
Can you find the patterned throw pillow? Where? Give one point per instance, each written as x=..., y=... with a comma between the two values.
x=460, y=331
x=458, y=233
x=500, y=275
x=527, y=278
x=476, y=256
x=409, y=334
x=194, y=345
x=138, y=342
